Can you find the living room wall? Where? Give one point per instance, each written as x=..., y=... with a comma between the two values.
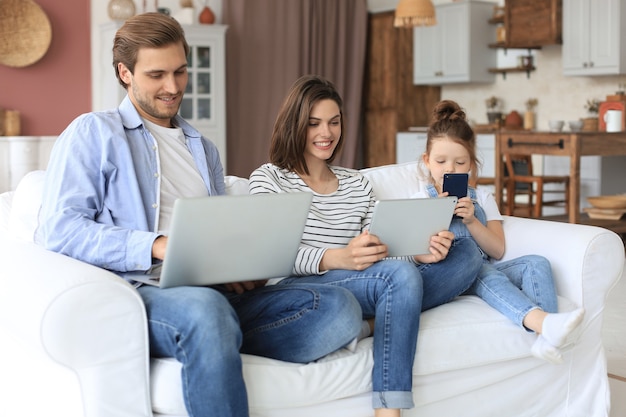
x=53, y=91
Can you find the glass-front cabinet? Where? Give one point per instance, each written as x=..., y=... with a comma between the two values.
x=204, y=104
x=197, y=102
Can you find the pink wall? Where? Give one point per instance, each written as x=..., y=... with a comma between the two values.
x=53, y=91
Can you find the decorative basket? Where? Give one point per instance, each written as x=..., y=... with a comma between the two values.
x=590, y=124
x=25, y=33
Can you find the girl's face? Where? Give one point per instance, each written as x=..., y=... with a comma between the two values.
x=324, y=131
x=446, y=156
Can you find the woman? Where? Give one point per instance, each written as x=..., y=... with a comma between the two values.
x=336, y=248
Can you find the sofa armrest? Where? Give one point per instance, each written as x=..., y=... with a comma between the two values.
x=587, y=261
x=82, y=317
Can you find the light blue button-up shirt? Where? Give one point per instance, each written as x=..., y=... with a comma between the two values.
x=101, y=194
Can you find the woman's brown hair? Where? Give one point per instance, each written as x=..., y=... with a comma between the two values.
x=290, y=128
x=147, y=30
x=449, y=120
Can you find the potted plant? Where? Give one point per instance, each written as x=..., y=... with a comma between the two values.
x=620, y=93
x=494, y=116
x=529, y=116
x=590, y=123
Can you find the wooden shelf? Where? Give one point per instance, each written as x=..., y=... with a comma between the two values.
x=504, y=71
x=504, y=45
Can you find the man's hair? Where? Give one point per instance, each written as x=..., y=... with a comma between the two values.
x=289, y=136
x=148, y=30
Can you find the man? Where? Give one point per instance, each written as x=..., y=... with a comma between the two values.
x=111, y=184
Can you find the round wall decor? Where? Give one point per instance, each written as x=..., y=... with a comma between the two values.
x=25, y=33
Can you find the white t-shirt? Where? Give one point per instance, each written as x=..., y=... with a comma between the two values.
x=179, y=175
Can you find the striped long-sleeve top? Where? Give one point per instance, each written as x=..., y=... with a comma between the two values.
x=333, y=220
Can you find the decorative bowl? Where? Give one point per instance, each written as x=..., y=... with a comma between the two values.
x=556, y=125
x=613, y=202
x=575, y=125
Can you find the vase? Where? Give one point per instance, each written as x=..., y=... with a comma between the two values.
x=206, y=16
x=529, y=120
x=12, y=125
x=494, y=117
x=513, y=120
x=121, y=9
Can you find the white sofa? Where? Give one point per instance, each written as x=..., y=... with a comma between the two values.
x=73, y=337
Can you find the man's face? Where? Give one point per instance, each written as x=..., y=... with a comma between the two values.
x=158, y=84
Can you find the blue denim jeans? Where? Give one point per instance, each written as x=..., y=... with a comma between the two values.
x=513, y=287
x=452, y=276
x=517, y=286
x=391, y=291
x=394, y=292
x=206, y=329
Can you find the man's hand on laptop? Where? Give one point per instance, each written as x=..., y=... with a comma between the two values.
x=241, y=287
x=158, y=247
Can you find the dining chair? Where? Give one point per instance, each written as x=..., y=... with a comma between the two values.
x=521, y=181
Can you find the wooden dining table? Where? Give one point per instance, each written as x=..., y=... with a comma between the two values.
x=571, y=144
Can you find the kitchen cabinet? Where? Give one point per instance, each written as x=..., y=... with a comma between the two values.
x=527, y=24
x=533, y=23
x=594, y=34
x=456, y=49
x=204, y=102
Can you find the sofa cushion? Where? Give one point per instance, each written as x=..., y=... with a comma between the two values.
x=395, y=181
x=236, y=185
x=341, y=374
x=463, y=334
x=6, y=200
x=23, y=219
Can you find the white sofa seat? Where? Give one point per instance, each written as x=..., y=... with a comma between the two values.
x=75, y=336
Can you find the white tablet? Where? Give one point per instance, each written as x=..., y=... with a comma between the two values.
x=407, y=225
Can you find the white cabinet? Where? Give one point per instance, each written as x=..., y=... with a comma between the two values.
x=204, y=103
x=107, y=91
x=594, y=37
x=20, y=155
x=409, y=146
x=456, y=49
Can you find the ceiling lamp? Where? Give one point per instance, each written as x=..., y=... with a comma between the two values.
x=411, y=13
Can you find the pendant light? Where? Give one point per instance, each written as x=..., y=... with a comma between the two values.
x=411, y=13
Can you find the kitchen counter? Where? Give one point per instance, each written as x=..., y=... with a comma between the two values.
x=571, y=144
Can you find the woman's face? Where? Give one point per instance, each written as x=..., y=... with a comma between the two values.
x=446, y=156
x=324, y=131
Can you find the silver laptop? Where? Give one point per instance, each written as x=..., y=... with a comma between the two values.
x=407, y=225
x=223, y=239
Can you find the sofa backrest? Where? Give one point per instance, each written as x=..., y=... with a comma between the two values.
x=389, y=182
x=24, y=214
x=395, y=181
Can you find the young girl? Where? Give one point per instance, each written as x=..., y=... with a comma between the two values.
x=336, y=248
x=522, y=289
